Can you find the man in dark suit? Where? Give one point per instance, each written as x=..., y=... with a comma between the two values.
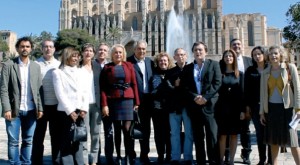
x=21, y=83
x=201, y=80
x=243, y=63
x=143, y=70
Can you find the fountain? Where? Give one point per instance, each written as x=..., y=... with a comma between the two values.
x=177, y=35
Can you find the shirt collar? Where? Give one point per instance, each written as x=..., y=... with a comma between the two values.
x=49, y=61
x=138, y=60
x=23, y=64
x=195, y=62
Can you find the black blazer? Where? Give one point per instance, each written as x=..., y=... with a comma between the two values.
x=211, y=82
x=139, y=76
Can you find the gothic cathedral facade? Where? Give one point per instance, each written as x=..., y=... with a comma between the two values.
x=127, y=21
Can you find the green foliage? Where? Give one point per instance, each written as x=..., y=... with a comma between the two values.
x=114, y=33
x=37, y=40
x=291, y=32
x=73, y=37
x=3, y=46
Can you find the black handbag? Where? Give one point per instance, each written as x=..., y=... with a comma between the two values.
x=136, y=127
x=78, y=131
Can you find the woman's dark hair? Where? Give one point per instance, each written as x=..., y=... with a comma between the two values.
x=234, y=64
x=262, y=50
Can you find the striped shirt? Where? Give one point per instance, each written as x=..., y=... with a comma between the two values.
x=47, y=68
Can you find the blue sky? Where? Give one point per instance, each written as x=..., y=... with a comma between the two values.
x=34, y=16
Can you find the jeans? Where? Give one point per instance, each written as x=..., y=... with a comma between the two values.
x=27, y=121
x=175, y=123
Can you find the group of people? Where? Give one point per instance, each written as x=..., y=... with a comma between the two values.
x=208, y=102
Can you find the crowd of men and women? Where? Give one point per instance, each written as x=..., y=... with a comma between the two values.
x=209, y=101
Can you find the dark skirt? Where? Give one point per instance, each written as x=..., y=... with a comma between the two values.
x=278, y=131
x=121, y=109
x=228, y=119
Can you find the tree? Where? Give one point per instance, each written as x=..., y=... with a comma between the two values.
x=114, y=33
x=37, y=40
x=3, y=46
x=72, y=37
x=291, y=32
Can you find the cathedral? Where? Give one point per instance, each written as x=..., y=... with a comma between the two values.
x=127, y=21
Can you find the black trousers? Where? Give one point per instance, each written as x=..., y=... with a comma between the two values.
x=50, y=115
x=162, y=130
x=69, y=152
x=108, y=138
x=145, y=113
x=201, y=121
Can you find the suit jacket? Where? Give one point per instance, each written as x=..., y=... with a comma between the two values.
x=247, y=62
x=71, y=92
x=11, y=86
x=96, y=71
x=211, y=82
x=290, y=98
x=108, y=80
x=149, y=65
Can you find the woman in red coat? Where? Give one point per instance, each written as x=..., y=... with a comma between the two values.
x=119, y=96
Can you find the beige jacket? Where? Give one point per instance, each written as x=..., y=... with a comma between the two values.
x=290, y=99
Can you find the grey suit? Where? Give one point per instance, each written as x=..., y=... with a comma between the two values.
x=11, y=100
x=11, y=87
x=93, y=120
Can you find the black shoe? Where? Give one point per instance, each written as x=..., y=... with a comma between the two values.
x=175, y=162
x=245, y=159
x=261, y=163
x=188, y=162
x=109, y=161
x=160, y=160
x=168, y=158
x=145, y=160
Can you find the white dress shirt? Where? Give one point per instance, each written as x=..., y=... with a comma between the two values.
x=26, y=103
x=89, y=76
x=241, y=63
x=142, y=66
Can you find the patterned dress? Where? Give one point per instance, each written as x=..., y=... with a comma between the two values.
x=120, y=108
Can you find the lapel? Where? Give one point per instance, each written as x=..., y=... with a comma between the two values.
x=148, y=68
x=247, y=62
x=135, y=65
x=267, y=74
x=190, y=71
x=32, y=73
x=204, y=70
x=17, y=69
x=70, y=80
x=96, y=67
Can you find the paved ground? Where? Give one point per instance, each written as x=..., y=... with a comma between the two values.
x=284, y=158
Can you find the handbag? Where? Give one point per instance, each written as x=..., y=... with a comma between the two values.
x=78, y=131
x=136, y=127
